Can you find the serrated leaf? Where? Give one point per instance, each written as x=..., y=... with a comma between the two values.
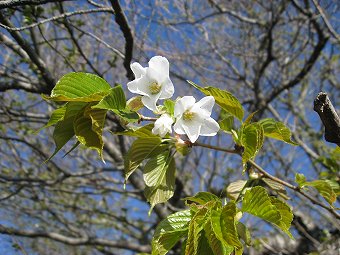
x=81, y=87
x=215, y=221
x=234, y=189
x=324, y=188
x=165, y=190
x=140, y=150
x=243, y=233
x=143, y=132
x=276, y=130
x=155, y=169
x=252, y=140
x=257, y=202
x=227, y=121
x=64, y=130
x=195, y=228
x=56, y=116
x=88, y=128
x=224, y=99
x=228, y=225
x=115, y=101
x=169, y=231
x=286, y=215
x=249, y=118
x=202, y=198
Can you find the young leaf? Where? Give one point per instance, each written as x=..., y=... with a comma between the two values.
x=155, y=169
x=169, y=231
x=276, y=130
x=224, y=99
x=134, y=103
x=202, y=198
x=143, y=132
x=252, y=140
x=81, y=87
x=166, y=185
x=257, y=202
x=243, y=233
x=234, y=189
x=169, y=106
x=140, y=150
x=227, y=121
x=300, y=179
x=88, y=128
x=56, y=116
x=324, y=188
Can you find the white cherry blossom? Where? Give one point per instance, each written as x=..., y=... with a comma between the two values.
x=193, y=119
x=152, y=82
x=163, y=125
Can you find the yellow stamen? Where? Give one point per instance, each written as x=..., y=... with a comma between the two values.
x=155, y=88
x=187, y=115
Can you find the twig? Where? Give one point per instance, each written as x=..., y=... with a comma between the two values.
x=15, y=3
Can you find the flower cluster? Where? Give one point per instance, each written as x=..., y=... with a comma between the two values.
x=191, y=118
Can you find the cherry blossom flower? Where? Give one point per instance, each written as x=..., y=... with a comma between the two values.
x=193, y=119
x=163, y=125
x=152, y=82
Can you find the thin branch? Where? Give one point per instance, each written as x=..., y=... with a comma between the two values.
x=54, y=18
x=125, y=28
x=328, y=24
x=15, y=3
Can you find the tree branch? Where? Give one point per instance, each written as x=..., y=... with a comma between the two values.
x=15, y=3
x=125, y=28
x=329, y=117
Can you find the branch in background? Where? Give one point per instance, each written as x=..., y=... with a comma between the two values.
x=125, y=28
x=15, y=3
x=329, y=117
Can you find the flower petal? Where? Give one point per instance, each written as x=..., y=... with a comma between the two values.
x=160, y=65
x=209, y=127
x=204, y=106
x=183, y=104
x=163, y=125
x=149, y=101
x=178, y=127
x=167, y=89
x=192, y=130
x=138, y=70
x=133, y=86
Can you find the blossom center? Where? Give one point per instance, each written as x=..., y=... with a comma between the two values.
x=155, y=88
x=187, y=115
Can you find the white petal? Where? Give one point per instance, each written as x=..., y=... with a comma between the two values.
x=138, y=70
x=183, y=104
x=155, y=76
x=160, y=65
x=192, y=131
x=143, y=86
x=204, y=106
x=167, y=89
x=150, y=101
x=209, y=127
x=163, y=125
x=178, y=127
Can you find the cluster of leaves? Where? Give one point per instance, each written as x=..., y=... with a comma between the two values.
x=209, y=227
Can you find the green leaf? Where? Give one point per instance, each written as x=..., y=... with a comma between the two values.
x=81, y=87
x=300, y=179
x=169, y=106
x=227, y=121
x=88, y=128
x=56, y=116
x=165, y=190
x=169, y=231
x=143, y=132
x=64, y=130
x=257, y=202
x=202, y=198
x=115, y=101
x=140, y=150
x=224, y=99
x=324, y=188
x=155, y=169
x=234, y=189
x=228, y=225
x=252, y=140
x=135, y=103
x=244, y=233
x=276, y=130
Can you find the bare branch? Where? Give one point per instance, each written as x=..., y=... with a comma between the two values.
x=15, y=3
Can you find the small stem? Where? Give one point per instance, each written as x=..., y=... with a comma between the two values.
x=145, y=118
x=215, y=147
